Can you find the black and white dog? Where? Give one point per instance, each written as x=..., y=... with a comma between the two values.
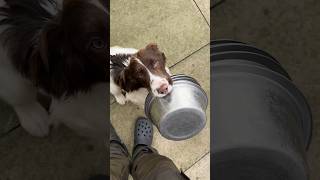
x=134, y=73
x=59, y=47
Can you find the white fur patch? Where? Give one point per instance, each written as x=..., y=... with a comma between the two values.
x=137, y=97
x=126, y=62
x=168, y=71
x=120, y=50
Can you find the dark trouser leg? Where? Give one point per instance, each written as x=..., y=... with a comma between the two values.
x=119, y=162
x=148, y=164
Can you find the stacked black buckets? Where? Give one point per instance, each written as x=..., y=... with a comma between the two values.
x=261, y=123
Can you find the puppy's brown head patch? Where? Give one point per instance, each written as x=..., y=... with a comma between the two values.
x=134, y=76
x=154, y=60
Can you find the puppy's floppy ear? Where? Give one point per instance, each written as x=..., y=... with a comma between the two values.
x=44, y=49
x=152, y=46
x=49, y=44
x=121, y=80
x=66, y=2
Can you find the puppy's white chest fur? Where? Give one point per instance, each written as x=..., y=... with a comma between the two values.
x=137, y=97
x=119, y=50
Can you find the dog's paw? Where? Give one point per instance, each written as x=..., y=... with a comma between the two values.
x=34, y=119
x=121, y=100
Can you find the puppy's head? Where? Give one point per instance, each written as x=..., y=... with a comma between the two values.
x=74, y=47
x=147, y=68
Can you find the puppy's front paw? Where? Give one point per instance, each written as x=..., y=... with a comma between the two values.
x=121, y=100
x=34, y=119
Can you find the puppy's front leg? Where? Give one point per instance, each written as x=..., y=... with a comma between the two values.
x=116, y=92
x=120, y=99
x=85, y=113
x=22, y=96
x=34, y=118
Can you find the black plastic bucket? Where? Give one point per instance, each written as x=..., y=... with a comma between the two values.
x=261, y=123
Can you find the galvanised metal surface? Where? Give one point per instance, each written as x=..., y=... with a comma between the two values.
x=261, y=122
x=181, y=114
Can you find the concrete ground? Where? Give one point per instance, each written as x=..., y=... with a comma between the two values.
x=289, y=30
x=181, y=29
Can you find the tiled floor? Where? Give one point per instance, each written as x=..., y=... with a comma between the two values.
x=181, y=29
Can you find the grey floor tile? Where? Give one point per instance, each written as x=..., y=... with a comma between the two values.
x=204, y=6
x=200, y=170
x=177, y=26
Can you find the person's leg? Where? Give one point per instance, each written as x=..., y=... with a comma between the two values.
x=147, y=163
x=119, y=158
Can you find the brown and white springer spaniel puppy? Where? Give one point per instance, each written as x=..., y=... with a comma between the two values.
x=134, y=73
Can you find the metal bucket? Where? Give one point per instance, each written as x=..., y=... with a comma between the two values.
x=261, y=122
x=181, y=114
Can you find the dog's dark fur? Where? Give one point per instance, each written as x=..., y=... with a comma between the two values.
x=60, y=51
x=129, y=78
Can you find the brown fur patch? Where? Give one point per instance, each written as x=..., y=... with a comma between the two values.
x=133, y=77
x=154, y=60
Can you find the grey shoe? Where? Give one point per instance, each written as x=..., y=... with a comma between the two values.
x=143, y=133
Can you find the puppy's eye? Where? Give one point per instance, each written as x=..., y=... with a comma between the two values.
x=97, y=43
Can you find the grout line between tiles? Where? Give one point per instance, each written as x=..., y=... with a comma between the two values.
x=197, y=161
x=201, y=13
x=189, y=55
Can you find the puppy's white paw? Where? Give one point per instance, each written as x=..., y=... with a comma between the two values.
x=34, y=119
x=121, y=99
